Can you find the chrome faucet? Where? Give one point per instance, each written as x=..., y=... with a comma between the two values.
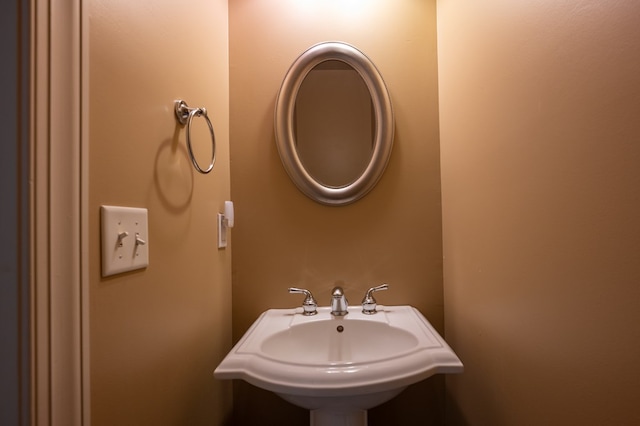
x=369, y=303
x=309, y=304
x=339, y=302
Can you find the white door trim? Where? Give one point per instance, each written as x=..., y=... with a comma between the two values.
x=59, y=172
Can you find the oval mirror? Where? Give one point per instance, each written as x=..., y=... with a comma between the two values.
x=334, y=123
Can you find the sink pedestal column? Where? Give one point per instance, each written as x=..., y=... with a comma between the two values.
x=337, y=417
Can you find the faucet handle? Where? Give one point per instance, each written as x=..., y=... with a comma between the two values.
x=369, y=303
x=309, y=304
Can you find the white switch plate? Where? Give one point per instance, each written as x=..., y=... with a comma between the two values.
x=222, y=232
x=125, y=239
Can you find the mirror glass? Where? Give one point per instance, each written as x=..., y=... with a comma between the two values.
x=334, y=123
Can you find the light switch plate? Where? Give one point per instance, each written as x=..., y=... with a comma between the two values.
x=222, y=232
x=125, y=239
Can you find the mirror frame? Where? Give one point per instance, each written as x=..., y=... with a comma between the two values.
x=284, y=123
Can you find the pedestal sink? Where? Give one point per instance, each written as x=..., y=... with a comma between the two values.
x=339, y=367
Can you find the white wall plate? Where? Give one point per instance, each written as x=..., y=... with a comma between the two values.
x=125, y=239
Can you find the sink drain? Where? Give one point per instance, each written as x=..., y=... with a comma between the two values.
x=340, y=329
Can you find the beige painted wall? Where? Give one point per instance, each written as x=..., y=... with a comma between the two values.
x=157, y=334
x=540, y=142
x=284, y=239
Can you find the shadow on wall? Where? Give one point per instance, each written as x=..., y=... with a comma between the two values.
x=403, y=411
x=263, y=408
x=454, y=415
x=397, y=412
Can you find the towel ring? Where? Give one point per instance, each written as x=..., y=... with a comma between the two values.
x=185, y=115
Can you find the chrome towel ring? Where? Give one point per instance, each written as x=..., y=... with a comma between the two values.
x=184, y=114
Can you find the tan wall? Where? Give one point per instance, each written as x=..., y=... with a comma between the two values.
x=157, y=334
x=282, y=238
x=540, y=179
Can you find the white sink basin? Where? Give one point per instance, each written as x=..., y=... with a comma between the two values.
x=342, y=364
x=321, y=343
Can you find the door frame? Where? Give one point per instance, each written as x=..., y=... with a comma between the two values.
x=58, y=213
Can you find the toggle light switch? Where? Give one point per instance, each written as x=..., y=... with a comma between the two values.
x=125, y=239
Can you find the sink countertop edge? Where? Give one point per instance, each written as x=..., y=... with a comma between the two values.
x=408, y=369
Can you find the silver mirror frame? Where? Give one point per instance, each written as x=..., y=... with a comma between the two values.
x=284, y=128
